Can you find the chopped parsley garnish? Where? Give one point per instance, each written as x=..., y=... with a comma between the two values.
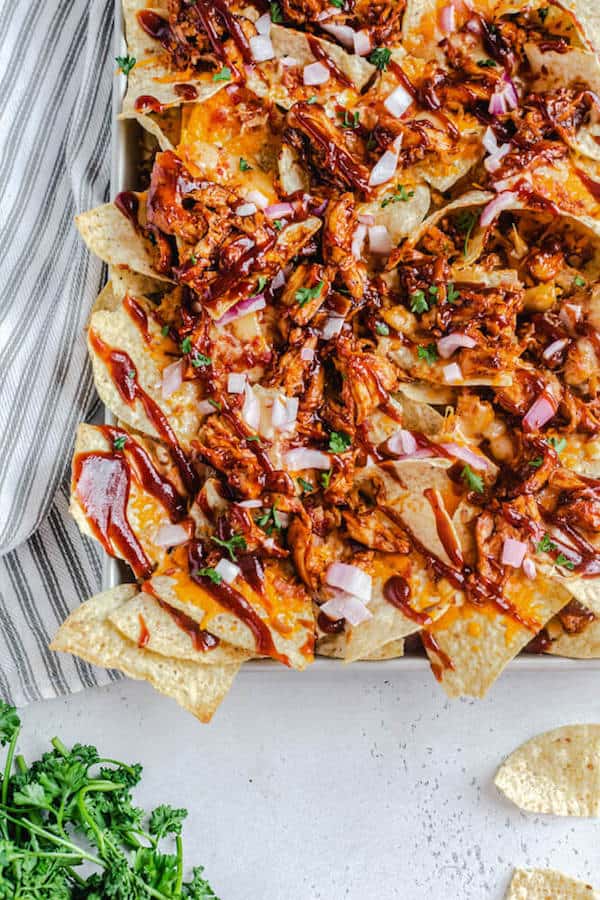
x=71, y=828
x=269, y=520
x=236, y=540
x=193, y=259
x=199, y=359
x=165, y=330
x=578, y=281
x=186, y=345
x=325, y=478
x=418, y=302
x=401, y=194
x=562, y=560
x=276, y=13
x=339, y=441
x=212, y=574
x=215, y=403
x=305, y=485
x=536, y=463
x=254, y=437
x=350, y=120
x=545, y=545
x=380, y=58
x=278, y=224
x=428, y=353
x=223, y=74
x=382, y=328
x=245, y=165
x=126, y=63
x=338, y=3
x=119, y=442
x=131, y=373
x=543, y=13
x=313, y=99
x=487, y=63
x=466, y=223
x=260, y=285
x=452, y=294
x=303, y=294
x=474, y=481
x=559, y=444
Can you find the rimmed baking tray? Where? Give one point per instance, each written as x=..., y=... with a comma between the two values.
x=124, y=146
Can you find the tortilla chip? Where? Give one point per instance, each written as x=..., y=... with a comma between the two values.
x=111, y=236
x=557, y=772
x=334, y=647
x=88, y=633
x=162, y=634
x=548, y=884
x=582, y=645
x=401, y=218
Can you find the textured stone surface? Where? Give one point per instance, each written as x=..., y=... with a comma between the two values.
x=362, y=784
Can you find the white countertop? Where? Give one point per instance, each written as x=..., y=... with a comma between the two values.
x=362, y=784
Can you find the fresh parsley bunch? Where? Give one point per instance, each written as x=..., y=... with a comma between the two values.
x=69, y=829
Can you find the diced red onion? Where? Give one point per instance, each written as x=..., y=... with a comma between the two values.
x=320, y=209
x=171, y=536
x=447, y=19
x=402, y=443
x=258, y=198
x=358, y=241
x=288, y=61
x=332, y=327
x=398, y=101
x=278, y=280
x=473, y=25
x=489, y=141
x=529, y=568
x=475, y=460
x=263, y=24
x=251, y=504
x=326, y=14
x=384, y=169
x=205, y=408
x=284, y=519
x=380, y=241
x=307, y=354
x=540, y=412
x=569, y=315
x=172, y=378
x=343, y=33
x=351, y=579
x=284, y=412
x=279, y=210
x=451, y=342
x=261, y=47
x=243, y=308
x=246, y=209
x=362, y=43
x=315, y=73
x=343, y=606
x=513, y=553
x=251, y=408
x=305, y=458
x=236, y=383
x=366, y=218
x=555, y=347
x=493, y=209
x=452, y=373
x=227, y=570
x=504, y=99
x=496, y=150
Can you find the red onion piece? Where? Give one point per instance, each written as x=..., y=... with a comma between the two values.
x=261, y=47
x=307, y=354
x=278, y=280
x=251, y=409
x=358, y=241
x=284, y=412
x=236, y=383
x=529, y=568
x=555, y=347
x=475, y=460
x=332, y=327
x=504, y=98
x=305, y=458
x=246, y=209
x=342, y=33
x=447, y=19
x=540, y=412
x=451, y=342
x=251, y=504
x=493, y=209
x=384, y=169
x=172, y=378
x=402, y=443
x=279, y=210
x=343, y=606
x=366, y=218
x=243, y=308
x=351, y=579
x=288, y=61
x=398, y=101
x=263, y=24
x=513, y=553
x=171, y=536
x=257, y=198
x=205, y=408
x=452, y=373
x=315, y=73
x=380, y=241
x=227, y=570
x=362, y=43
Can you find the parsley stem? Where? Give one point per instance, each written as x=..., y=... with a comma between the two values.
x=59, y=747
x=93, y=787
x=53, y=838
x=179, y=881
x=8, y=765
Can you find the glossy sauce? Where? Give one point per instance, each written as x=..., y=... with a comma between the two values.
x=396, y=591
x=319, y=53
x=444, y=662
x=144, y=633
x=138, y=315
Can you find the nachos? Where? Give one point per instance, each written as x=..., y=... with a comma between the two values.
x=350, y=342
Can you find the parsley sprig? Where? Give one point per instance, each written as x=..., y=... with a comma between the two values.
x=339, y=442
x=399, y=195
x=304, y=294
x=69, y=829
x=230, y=544
x=126, y=63
x=473, y=481
x=380, y=58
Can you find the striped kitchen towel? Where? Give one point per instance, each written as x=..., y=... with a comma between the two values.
x=55, y=128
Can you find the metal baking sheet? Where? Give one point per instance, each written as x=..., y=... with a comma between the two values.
x=125, y=142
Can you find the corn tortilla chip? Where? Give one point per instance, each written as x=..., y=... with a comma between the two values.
x=548, y=884
x=557, y=772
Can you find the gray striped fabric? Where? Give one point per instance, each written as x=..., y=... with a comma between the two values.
x=55, y=101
